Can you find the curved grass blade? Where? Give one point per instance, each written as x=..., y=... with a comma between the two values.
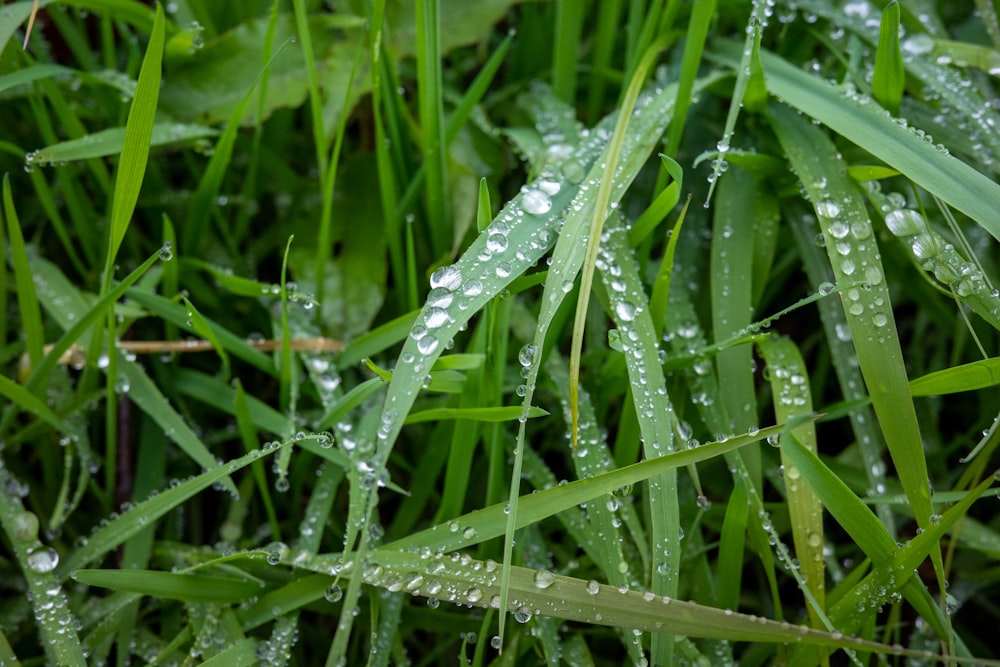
x=967, y=377
x=143, y=514
x=599, y=215
x=544, y=593
x=857, y=120
x=491, y=522
x=846, y=226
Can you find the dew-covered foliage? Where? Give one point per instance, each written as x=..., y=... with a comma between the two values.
x=586, y=332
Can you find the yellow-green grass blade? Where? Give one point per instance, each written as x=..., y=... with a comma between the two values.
x=792, y=396
x=889, y=77
x=144, y=513
x=599, y=214
x=853, y=255
x=135, y=146
x=857, y=120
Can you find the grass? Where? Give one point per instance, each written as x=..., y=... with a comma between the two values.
x=388, y=333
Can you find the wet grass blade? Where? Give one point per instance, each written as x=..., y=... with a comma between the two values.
x=144, y=513
x=792, y=396
x=846, y=226
x=857, y=120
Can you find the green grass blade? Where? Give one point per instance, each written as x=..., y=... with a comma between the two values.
x=27, y=300
x=491, y=521
x=111, y=141
x=599, y=215
x=56, y=622
x=845, y=224
x=855, y=119
x=142, y=514
x=889, y=77
x=170, y=585
x=967, y=377
x=135, y=148
x=431, y=114
x=792, y=396
x=566, y=47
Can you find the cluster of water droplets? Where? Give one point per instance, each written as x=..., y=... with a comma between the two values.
x=962, y=107
x=934, y=253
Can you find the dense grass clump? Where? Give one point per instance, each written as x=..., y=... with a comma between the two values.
x=495, y=332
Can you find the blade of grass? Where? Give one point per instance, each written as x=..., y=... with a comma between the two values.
x=135, y=147
x=889, y=77
x=27, y=300
x=142, y=514
x=791, y=395
x=431, y=115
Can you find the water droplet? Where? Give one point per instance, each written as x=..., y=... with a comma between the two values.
x=427, y=345
x=334, y=593
x=166, y=252
x=826, y=288
x=904, y=222
x=447, y=277
x=536, y=202
x=625, y=311
x=544, y=579
x=526, y=356
x=838, y=230
x=473, y=288
x=828, y=209
x=496, y=242
x=880, y=320
x=42, y=560
x=593, y=588
x=435, y=318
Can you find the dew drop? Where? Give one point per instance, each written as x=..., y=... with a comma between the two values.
x=904, y=222
x=536, y=202
x=625, y=311
x=43, y=560
x=543, y=579
x=447, y=277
